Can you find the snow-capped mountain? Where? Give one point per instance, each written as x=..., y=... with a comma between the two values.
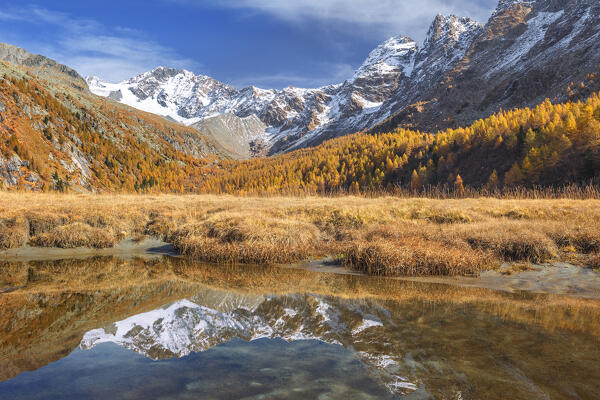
x=462, y=72
x=213, y=317
x=178, y=94
x=291, y=112
x=394, y=55
x=527, y=51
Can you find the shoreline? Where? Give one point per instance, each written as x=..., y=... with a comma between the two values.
x=553, y=278
x=557, y=278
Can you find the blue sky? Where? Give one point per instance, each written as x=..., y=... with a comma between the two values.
x=266, y=43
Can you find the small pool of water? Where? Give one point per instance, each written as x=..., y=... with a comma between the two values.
x=170, y=329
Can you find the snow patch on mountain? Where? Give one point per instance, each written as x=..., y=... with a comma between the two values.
x=536, y=30
x=578, y=28
x=394, y=55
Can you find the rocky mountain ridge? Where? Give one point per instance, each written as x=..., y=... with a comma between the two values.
x=528, y=51
x=462, y=72
x=42, y=66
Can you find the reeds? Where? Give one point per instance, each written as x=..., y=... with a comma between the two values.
x=573, y=191
x=247, y=240
x=412, y=258
x=510, y=241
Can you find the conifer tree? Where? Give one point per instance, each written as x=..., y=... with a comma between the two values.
x=415, y=181
x=493, y=181
x=458, y=184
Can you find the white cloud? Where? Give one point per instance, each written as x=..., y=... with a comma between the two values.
x=332, y=73
x=379, y=17
x=115, y=58
x=113, y=53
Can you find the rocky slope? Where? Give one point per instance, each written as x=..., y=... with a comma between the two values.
x=463, y=71
x=55, y=134
x=527, y=51
x=241, y=137
x=42, y=66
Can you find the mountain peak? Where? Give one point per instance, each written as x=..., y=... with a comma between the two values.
x=160, y=73
x=505, y=4
x=392, y=55
x=450, y=28
x=447, y=41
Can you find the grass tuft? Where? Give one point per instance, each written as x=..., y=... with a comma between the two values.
x=76, y=235
x=247, y=239
x=511, y=242
x=412, y=258
x=14, y=233
x=584, y=239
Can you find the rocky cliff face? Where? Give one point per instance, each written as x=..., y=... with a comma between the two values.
x=527, y=51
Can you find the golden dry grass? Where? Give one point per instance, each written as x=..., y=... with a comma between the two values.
x=413, y=258
x=13, y=232
x=386, y=235
x=77, y=234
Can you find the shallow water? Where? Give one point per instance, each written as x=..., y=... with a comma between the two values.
x=169, y=329
x=233, y=370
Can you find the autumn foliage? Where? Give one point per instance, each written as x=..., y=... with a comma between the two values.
x=53, y=132
x=550, y=145
x=65, y=139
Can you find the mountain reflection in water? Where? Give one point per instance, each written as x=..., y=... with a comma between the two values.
x=349, y=336
x=212, y=318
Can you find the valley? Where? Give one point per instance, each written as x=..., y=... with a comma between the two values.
x=57, y=135
x=420, y=222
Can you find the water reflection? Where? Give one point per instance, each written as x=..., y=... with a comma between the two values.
x=212, y=318
x=409, y=339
